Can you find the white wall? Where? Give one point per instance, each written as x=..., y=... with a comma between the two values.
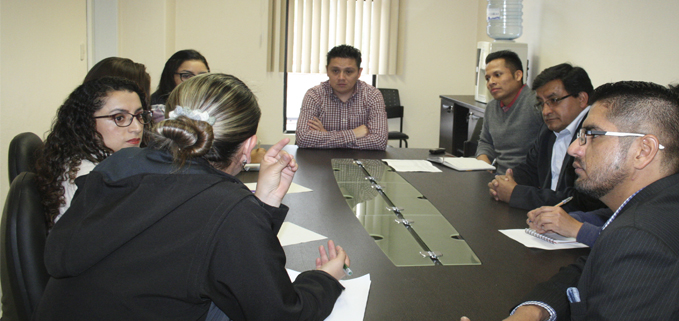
x=41, y=64
x=437, y=49
x=612, y=40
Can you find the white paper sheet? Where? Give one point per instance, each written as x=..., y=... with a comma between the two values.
x=412, y=165
x=294, y=188
x=291, y=233
x=522, y=237
x=352, y=302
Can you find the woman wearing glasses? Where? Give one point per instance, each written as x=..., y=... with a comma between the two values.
x=99, y=118
x=181, y=66
x=168, y=233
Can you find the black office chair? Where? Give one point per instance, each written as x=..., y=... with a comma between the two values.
x=469, y=146
x=22, y=266
x=394, y=110
x=23, y=151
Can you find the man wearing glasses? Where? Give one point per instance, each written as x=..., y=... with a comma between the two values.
x=626, y=155
x=547, y=175
x=510, y=122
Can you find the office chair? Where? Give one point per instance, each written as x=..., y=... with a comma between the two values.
x=22, y=266
x=394, y=110
x=23, y=150
x=469, y=146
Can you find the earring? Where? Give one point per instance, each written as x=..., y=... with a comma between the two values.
x=245, y=162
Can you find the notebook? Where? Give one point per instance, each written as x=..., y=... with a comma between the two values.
x=551, y=237
x=462, y=163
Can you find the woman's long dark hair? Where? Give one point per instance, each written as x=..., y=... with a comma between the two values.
x=74, y=137
x=167, y=84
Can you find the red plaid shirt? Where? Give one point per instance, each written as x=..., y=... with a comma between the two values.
x=365, y=107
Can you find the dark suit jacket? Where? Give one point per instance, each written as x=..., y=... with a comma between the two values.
x=632, y=272
x=534, y=177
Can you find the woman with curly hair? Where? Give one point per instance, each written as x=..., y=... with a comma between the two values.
x=96, y=120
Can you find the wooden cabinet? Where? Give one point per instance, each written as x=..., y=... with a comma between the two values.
x=459, y=115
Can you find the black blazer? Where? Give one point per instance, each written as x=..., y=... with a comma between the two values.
x=632, y=272
x=534, y=177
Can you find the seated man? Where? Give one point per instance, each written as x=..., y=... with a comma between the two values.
x=627, y=155
x=343, y=112
x=547, y=175
x=511, y=122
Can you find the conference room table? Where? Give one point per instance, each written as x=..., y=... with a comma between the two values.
x=488, y=291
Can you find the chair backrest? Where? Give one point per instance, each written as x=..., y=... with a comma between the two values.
x=390, y=96
x=23, y=151
x=22, y=266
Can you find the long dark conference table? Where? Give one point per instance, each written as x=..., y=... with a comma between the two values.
x=508, y=270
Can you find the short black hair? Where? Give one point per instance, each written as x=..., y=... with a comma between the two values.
x=575, y=79
x=647, y=108
x=345, y=51
x=512, y=60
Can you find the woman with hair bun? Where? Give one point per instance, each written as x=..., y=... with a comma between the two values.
x=168, y=233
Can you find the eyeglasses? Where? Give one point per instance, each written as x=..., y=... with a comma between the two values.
x=125, y=119
x=551, y=102
x=184, y=76
x=583, y=133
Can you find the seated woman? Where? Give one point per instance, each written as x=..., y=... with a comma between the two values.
x=163, y=232
x=123, y=68
x=96, y=120
x=181, y=66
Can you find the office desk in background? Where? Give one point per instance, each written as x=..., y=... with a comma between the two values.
x=482, y=292
x=459, y=115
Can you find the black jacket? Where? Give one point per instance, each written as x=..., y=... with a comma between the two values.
x=534, y=176
x=632, y=272
x=143, y=241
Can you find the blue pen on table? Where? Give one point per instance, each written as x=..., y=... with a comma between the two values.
x=347, y=270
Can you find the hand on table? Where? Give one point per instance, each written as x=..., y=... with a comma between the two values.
x=316, y=124
x=333, y=263
x=276, y=172
x=553, y=219
x=502, y=186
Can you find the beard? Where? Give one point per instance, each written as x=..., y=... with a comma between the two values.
x=599, y=183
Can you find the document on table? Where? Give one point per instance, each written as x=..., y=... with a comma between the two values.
x=411, y=165
x=528, y=240
x=294, y=188
x=352, y=302
x=462, y=163
x=291, y=233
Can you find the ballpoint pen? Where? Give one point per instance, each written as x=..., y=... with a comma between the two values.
x=566, y=200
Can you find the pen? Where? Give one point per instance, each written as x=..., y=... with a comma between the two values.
x=568, y=199
x=347, y=270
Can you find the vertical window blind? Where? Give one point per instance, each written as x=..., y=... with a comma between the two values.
x=316, y=26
